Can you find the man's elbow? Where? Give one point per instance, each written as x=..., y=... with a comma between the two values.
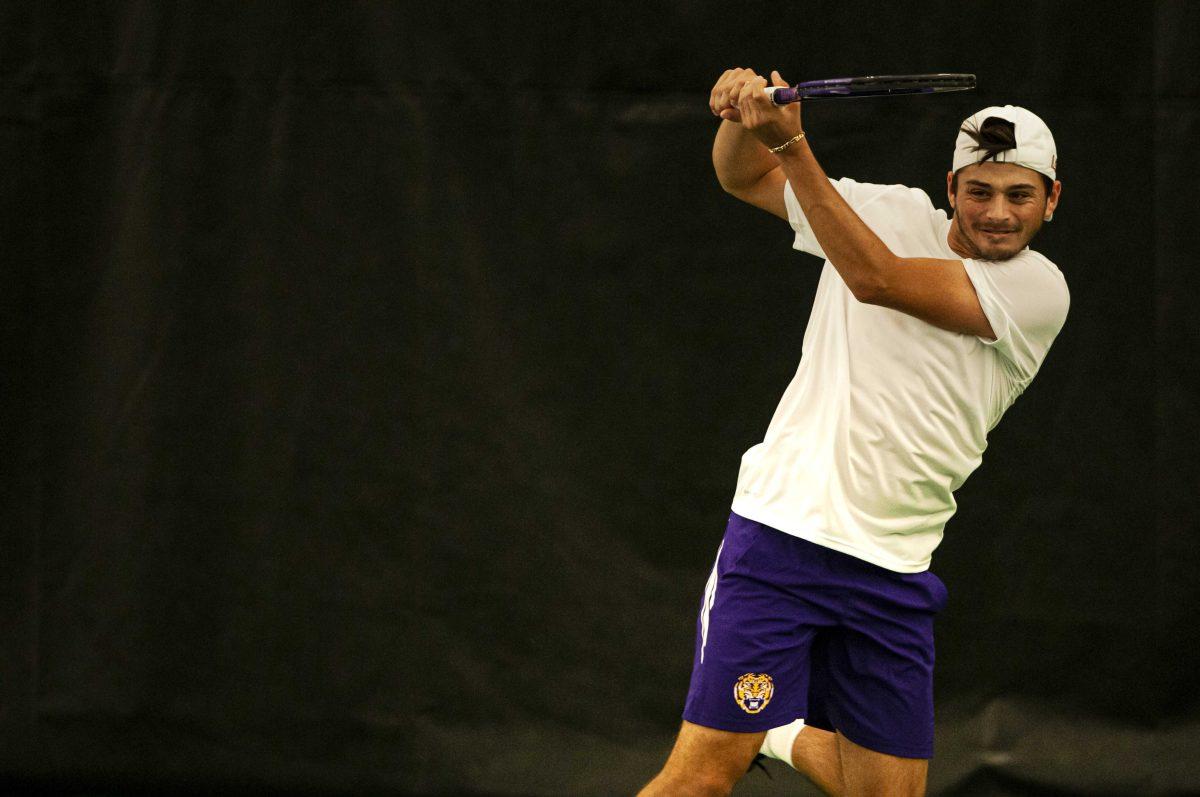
x=874, y=283
x=737, y=182
x=730, y=186
x=870, y=288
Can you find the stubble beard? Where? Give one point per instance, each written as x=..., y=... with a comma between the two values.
x=986, y=251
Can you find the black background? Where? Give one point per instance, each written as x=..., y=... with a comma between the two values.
x=376, y=377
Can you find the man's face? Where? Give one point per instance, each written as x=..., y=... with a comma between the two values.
x=998, y=208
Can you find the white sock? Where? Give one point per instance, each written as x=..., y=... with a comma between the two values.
x=779, y=741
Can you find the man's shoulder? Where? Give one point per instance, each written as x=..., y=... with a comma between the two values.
x=892, y=195
x=1027, y=278
x=1035, y=260
x=891, y=189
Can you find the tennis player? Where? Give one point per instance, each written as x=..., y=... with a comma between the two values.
x=814, y=643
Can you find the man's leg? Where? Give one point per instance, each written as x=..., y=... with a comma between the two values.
x=704, y=762
x=881, y=678
x=750, y=669
x=866, y=772
x=815, y=754
x=818, y=755
x=811, y=751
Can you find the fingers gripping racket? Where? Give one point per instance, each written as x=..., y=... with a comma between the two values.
x=871, y=86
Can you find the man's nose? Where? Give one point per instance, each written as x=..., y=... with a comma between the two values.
x=998, y=207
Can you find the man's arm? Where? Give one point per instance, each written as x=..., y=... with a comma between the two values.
x=747, y=170
x=937, y=291
x=743, y=165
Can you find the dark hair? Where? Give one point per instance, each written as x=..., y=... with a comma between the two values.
x=995, y=135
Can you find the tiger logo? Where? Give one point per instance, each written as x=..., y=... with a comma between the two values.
x=753, y=692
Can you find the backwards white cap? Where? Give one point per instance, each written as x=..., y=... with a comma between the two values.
x=1035, y=145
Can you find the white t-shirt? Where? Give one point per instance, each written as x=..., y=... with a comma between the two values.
x=887, y=415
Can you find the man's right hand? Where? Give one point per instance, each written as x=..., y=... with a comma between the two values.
x=725, y=93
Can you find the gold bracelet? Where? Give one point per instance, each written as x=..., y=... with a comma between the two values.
x=787, y=143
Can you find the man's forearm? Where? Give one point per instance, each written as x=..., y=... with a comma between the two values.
x=858, y=254
x=739, y=159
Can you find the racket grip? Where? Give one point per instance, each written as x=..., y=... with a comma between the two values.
x=782, y=95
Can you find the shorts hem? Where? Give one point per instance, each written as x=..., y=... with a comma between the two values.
x=744, y=726
x=887, y=747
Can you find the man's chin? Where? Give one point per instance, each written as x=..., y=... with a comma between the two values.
x=999, y=252
x=1002, y=247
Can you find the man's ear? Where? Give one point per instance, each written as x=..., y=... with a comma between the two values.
x=949, y=193
x=1052, y=200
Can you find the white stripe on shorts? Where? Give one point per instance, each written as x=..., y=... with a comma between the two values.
x=710, y=597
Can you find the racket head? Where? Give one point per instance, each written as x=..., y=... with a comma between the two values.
x=875, y=86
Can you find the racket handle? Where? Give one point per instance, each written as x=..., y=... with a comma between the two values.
x=782, y=95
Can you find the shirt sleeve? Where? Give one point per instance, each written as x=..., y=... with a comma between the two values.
x=1025, y=300
x=857, y=195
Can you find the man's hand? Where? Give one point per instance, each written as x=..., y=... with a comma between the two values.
x=723, y=100
x=771, y=124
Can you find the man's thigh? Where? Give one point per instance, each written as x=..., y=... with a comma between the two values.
x=866, y=772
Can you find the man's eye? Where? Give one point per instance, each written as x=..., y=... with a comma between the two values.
x=977, y=192
x=1019, y=196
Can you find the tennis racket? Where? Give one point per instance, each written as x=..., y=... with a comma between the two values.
x=871, y=86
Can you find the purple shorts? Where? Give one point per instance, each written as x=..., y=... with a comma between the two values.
x=790, y=629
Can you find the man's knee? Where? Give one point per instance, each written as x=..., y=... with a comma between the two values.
x=708, y=777
x=705, y=761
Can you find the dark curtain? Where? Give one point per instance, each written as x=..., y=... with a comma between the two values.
x=376, y=377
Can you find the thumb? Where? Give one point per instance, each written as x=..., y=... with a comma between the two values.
x=777, y=79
